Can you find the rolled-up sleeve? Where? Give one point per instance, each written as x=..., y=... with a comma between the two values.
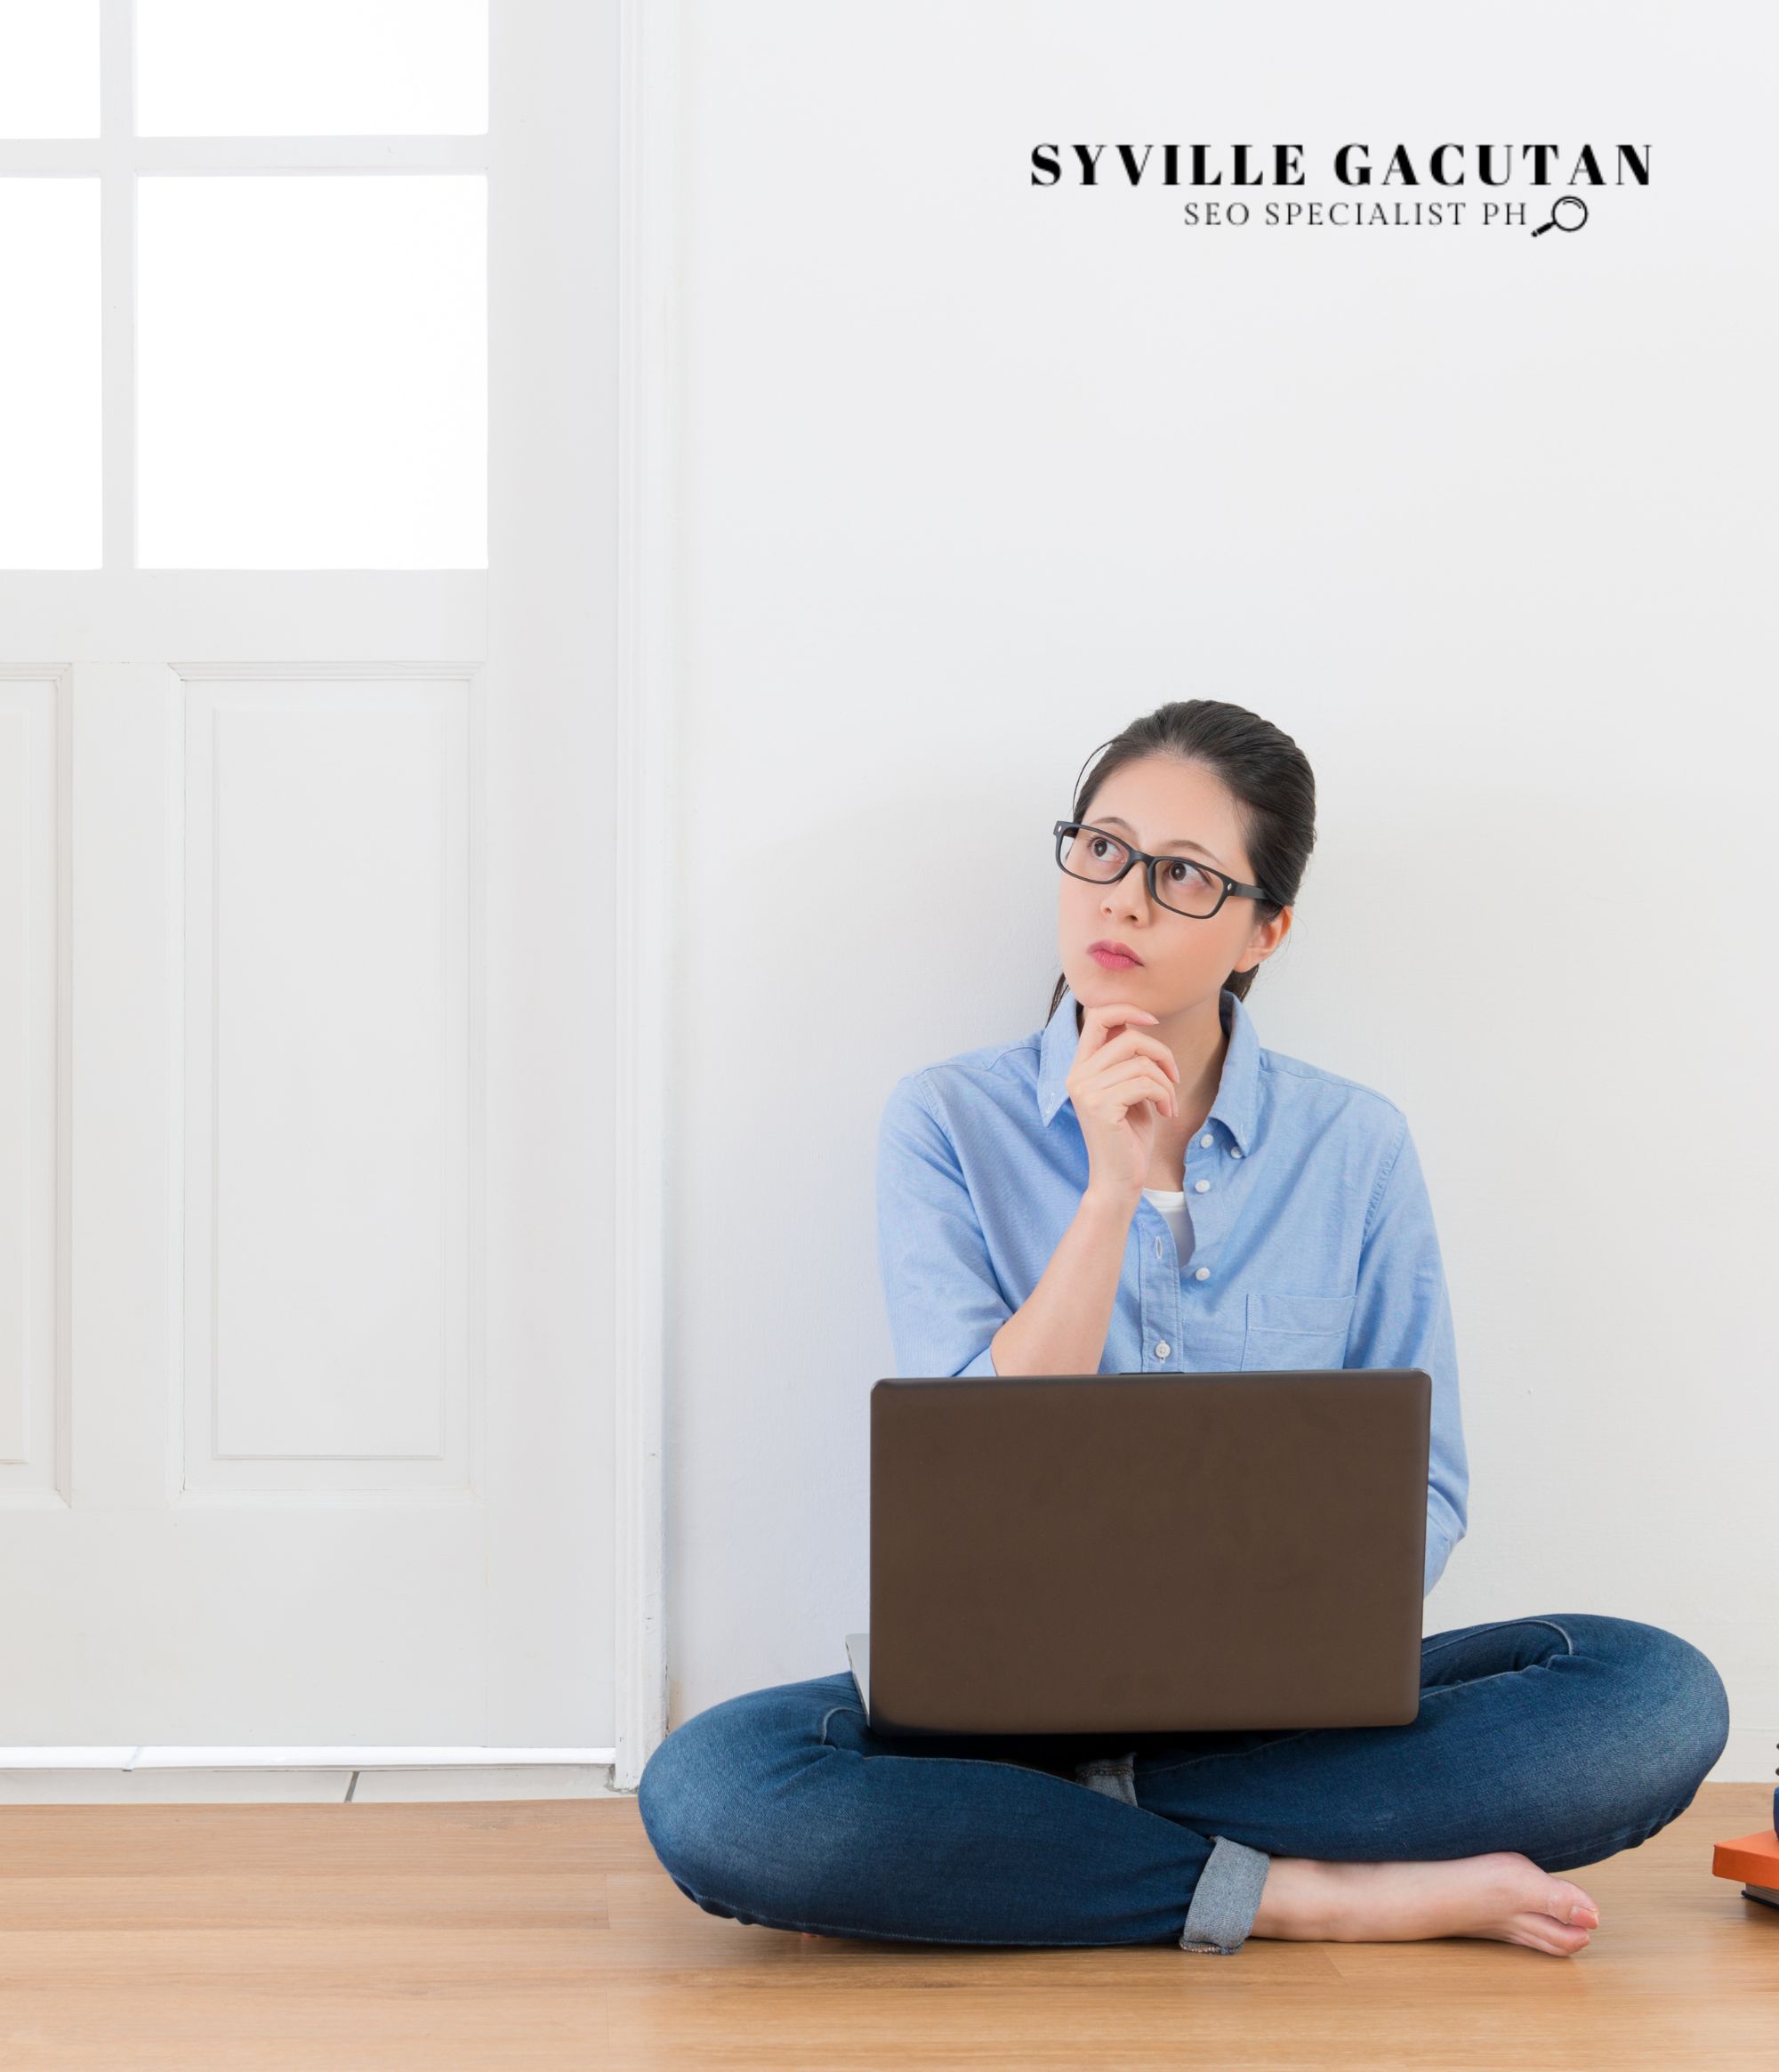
x=944, y=1301
x=1402, y=1317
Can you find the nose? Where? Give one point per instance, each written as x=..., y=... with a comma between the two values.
x=1129, y=895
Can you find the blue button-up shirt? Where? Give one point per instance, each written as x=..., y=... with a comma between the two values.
x=1312, y=1242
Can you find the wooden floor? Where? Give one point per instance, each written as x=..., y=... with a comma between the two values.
x=543, y=1933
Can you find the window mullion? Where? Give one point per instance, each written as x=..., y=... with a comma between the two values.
x=311, y=154
x=38, y=157
x=117, y=283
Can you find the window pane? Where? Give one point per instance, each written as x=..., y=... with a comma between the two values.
x=309, y=68
x=49, y=68
x=49, y=397
x=313, y=372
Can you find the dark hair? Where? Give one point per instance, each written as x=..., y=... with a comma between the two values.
x=1274, y=785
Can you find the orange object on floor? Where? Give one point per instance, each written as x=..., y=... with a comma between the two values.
x=1754, y=1859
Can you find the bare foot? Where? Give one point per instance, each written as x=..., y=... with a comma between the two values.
x=1503, y=1897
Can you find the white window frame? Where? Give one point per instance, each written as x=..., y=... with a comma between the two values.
x=120, y=612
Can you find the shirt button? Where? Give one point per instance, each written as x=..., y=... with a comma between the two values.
x=1204, y=1273
x=1205, y=1139
x=1200, y=1186
x=1234, y=1153
x=1162, y=1349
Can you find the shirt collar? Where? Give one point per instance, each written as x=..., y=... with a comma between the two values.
x=1237, y=1103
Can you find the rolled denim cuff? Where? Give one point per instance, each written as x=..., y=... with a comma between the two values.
x=1226, y=1899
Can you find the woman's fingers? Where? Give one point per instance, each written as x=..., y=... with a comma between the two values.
x=1100, y=1026
x=1129, y=1043
x=1135, y=1044
x=1146, y=1084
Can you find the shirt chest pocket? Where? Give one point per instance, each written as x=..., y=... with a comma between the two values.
x=1287, y=1330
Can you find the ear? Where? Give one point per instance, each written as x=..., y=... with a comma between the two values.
x=1267, y=938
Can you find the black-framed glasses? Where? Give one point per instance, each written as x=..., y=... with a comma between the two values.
x=1191, y=888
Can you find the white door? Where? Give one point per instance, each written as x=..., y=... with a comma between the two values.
x=305, y=890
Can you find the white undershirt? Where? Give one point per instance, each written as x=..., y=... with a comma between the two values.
x=1171, y=1203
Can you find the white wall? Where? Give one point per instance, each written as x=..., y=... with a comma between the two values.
x=978, y=471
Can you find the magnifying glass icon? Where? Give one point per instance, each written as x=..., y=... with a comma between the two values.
x=1565, y=201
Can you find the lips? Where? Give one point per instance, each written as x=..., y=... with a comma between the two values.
x=1112, y=956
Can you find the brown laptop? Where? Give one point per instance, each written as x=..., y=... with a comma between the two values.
x=1146, y=1553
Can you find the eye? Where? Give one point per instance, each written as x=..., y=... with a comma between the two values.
x=1095, y=844
x=1186, y=874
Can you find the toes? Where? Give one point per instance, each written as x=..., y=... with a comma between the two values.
x=1543, y=1931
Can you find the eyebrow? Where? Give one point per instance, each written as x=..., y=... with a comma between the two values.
x=1112, y=820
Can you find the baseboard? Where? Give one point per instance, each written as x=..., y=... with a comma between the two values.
x=345, y=1756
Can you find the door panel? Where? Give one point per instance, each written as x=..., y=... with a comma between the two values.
x=30, y=1247
x=327, y=1113
x=306, y=931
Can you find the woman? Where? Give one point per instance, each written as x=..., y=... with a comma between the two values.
x=1159, y=1192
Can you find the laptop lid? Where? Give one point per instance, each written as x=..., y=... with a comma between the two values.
x=1160, y=1552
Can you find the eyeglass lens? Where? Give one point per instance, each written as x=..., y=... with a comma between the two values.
x=1085, y=854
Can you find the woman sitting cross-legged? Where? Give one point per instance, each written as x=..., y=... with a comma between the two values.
x=1026, y=1192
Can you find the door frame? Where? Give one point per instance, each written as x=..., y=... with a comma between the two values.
x=648, y=704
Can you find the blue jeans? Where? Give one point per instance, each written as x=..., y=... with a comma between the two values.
x=1565, y=1739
